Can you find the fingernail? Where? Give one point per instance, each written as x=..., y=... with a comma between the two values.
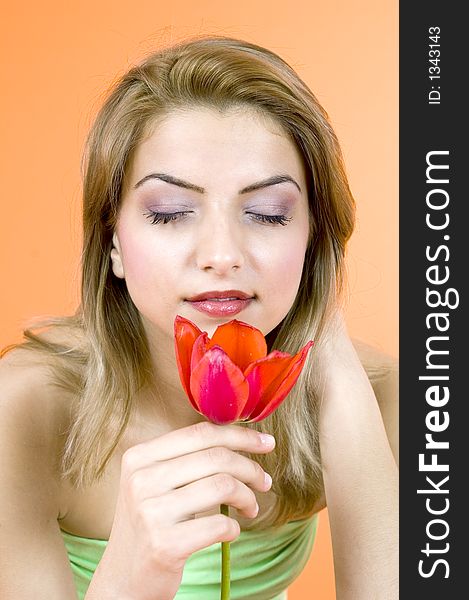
x=267, y=439
x=267, y=480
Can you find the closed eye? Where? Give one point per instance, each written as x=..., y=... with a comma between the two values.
x=159, y=217
x=274, y=219
x=163, y=218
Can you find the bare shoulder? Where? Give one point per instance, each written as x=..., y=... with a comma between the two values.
x=383, y=372
x=29, y=373
x=376, y=362
x=33, y=411
x=34, y=416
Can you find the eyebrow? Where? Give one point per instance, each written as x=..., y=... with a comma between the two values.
x=274, y=180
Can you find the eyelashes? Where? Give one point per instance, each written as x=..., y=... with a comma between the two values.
x=163, y=218
x=157, y=217
x=274, y=219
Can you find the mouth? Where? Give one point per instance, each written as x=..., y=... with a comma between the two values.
x=220, y=295
x=220, y=303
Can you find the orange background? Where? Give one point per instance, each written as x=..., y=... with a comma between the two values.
x=59, y=57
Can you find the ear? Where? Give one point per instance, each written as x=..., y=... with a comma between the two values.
x=116, y=258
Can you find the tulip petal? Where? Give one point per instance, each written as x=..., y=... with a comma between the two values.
x=185, y=335
x=243, y=343
x=200, y=347
x=259, y=374
x=219, y=387
x=270, y=381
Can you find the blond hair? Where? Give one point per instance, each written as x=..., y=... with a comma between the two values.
x=106, y=372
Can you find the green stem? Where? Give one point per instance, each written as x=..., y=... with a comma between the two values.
x=225, y=561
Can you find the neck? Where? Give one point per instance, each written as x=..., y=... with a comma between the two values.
x=164, y=403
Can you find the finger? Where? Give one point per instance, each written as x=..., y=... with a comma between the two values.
x=193, y=438
x=164, y=476
x=200, y=496
x=183, y=539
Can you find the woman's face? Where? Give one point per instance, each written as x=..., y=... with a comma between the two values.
x=215, y=206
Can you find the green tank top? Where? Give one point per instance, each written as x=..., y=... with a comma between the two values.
x=263, y=563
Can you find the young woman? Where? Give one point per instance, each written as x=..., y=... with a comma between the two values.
x=214, y=188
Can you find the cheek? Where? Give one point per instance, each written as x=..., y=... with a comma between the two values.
x=284, y=265
x=143, y=257
x=281, y=277
x=137, y=258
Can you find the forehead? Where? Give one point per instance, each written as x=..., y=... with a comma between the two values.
x=205, y=142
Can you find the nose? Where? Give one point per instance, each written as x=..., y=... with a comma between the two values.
x=219, y=247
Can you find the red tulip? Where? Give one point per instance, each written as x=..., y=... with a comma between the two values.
x=230, y=377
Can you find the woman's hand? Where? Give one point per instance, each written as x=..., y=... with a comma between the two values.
x=164, y=484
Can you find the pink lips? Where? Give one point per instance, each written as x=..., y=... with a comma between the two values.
x=220, y=303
